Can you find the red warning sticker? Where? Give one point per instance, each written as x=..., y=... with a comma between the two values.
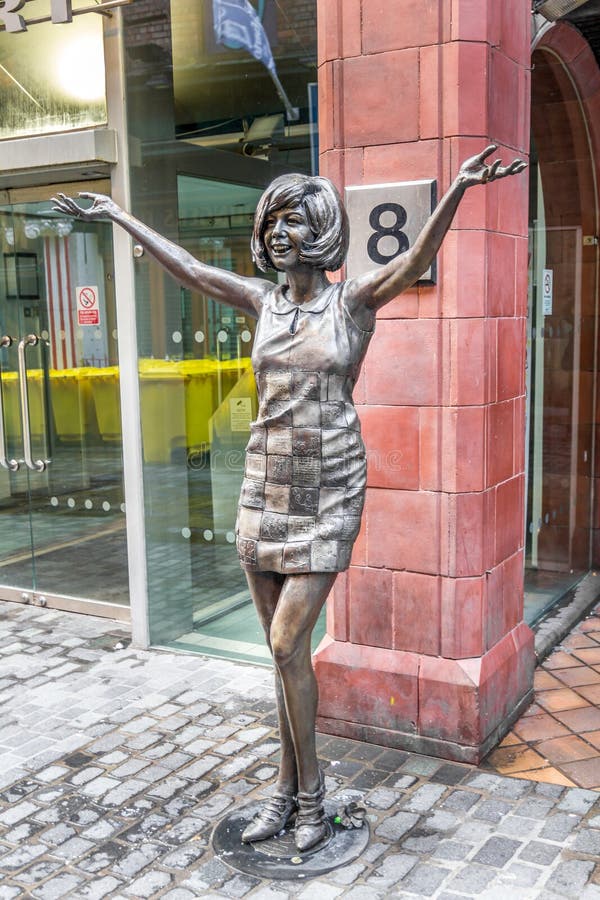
x=88, y=310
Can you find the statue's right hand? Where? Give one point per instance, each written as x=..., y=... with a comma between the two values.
x=102, y=207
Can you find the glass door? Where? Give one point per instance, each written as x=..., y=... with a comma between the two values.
x=62, y=512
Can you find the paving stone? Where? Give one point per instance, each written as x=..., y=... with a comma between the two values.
x=37, y=872
x=382, y=798
x=539, y=852
x=149, y=884
x=19, y=858
x=22, y=832
x=424, y=879
x=52, y=773
x=184, y=857
x=363, y=892
x=517, y=826
x=123, y=792
x=452, y=850
x=95, y=890
x=549, y=790
x=424, y=797
x=472, y=879
x=265, y=773
x=133, y=863
x=183, y=830
x=58, y=835
x=102, y=830
x=578, y=801
x=587, y=841
x=534, y=808
x=396, y=826
x=519, y=875
x=57, y=887
x=240, y=886
x=559, y=826
x=7, y=892
x=179, y=894
x=199, y=768
x=18, y=812
x=492, y=810
x=421, y=841
x=441, y=820
x=392, y=869
x=347, y=874
x=319, y=891
x=570, y=877
x=497, y=851
x=99, y=786
x=373, y=851
x=461, y=801
x=269, y=893
x=207, y=875
x=131, y=767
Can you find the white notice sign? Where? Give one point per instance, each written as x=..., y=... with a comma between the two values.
x=240, y=413
x=547, y=291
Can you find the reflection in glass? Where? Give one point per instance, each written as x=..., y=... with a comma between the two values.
x=52, y=76
x=209, y=130
x=227, y=99
x=561, y=359
x=63, y=530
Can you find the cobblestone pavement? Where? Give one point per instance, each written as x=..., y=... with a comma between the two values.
x=116, y=763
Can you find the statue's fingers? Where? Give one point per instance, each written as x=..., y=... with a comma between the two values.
x=518, y=165
x=88, y=195
x=495, y=167
x=491, y=148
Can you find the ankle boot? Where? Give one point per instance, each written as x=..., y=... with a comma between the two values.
x=311, y=822
x=274, y=815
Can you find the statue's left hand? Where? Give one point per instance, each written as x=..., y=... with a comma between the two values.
x=102, y=207
x=476, y=171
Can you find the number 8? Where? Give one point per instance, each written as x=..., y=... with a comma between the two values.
x=380, y=231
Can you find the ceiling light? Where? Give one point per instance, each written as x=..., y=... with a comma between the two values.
x=556, y=9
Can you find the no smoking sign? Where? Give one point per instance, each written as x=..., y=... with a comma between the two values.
x=88, y=310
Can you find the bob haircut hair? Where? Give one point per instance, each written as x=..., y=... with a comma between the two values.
x=325, y=215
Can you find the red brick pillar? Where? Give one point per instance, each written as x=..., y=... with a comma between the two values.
x=426, y=648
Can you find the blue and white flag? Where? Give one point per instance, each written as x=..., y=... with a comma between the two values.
x=237, y=22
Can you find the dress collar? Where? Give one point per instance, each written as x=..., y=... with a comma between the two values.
x=282, y=306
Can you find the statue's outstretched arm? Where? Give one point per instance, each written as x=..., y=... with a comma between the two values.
x=376, y=288
x=244, y=293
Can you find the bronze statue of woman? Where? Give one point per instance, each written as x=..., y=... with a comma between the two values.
x=304, y=484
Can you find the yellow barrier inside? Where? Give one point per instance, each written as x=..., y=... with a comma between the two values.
x=73, y=403
x=104, y=389
x=178, y=399
x=12, y=403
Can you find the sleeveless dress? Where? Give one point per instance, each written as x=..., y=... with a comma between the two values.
x=304, y=484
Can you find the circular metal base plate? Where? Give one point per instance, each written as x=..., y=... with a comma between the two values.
x=278, y=857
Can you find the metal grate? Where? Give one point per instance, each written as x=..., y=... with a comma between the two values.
x=554, y=9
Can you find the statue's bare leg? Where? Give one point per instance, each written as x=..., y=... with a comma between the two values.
x=265, y=589
x=300, y=602
x=281, y=807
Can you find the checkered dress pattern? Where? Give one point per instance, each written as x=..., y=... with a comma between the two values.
x=303, y=490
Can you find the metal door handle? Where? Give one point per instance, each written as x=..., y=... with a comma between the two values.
x=11, y=464
x=38, y=465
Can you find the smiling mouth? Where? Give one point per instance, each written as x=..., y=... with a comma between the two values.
x=280, y=248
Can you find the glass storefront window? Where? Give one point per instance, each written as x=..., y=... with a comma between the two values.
x=561, y=325
x=197, y=109
x=52, y=76
x=225, y=99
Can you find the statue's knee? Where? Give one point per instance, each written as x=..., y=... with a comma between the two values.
x=282, y=649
